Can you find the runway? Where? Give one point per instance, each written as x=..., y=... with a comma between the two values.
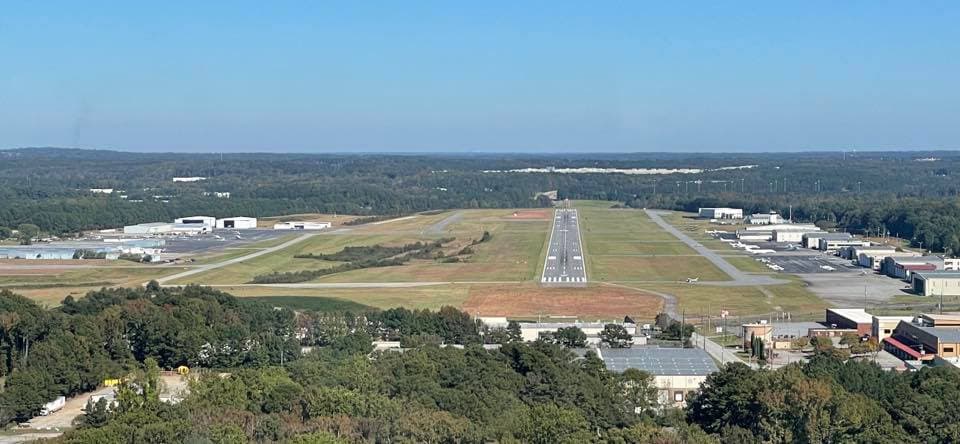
x=564, y=265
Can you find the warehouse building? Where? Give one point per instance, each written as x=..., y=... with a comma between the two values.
x=531, y=331
x=237, y=223
x=832, y=243
x=875, y=260
x=903, y=267
x=771, y=227
x=931, y=283
x=197, y=220
x=883, y=326
x=677, y=372
x=755, y=236
x=149, y=228
x=812, y=240
x=765, y=218
x=302, y=225
x=854, y=252
x=854, y=319
x=720, y=213
x=792, y=235
x=924, y=339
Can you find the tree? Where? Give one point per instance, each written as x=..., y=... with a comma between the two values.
x=95, y=414
x=849, y=339
x=639, y=391
x=616, y=336
x=5, y=233
x=513, y=332
x=571, y=337
x=801, y=342
x=662, y=321
x=551, y=424
x=27, y=233
x=821, y=343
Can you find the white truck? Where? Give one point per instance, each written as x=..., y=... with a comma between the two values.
x=53, y=406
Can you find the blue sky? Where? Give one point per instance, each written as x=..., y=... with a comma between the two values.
x=485, y=76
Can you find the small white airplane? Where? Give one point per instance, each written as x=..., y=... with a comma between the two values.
x=237, y=236
x=692, y=280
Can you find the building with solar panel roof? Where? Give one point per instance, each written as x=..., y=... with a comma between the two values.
x=677, y=372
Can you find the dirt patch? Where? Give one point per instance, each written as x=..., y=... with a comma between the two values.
x=587, y=302
x=531, y=214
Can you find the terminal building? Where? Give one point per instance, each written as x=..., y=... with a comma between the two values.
x=720, y=213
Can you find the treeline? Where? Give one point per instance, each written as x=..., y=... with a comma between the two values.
x=539, y=393
x=49, y=187
x=71, y=349
x=344, y=392
x=373, y=252
x=360, y=257
x=829, y=400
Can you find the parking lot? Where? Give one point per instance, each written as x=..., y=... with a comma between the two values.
x=810, y=263
x=206, y=243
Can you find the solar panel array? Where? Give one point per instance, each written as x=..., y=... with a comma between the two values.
x=660, y=361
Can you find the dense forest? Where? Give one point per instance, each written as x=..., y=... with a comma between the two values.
x=910, y=194
x=341, y=391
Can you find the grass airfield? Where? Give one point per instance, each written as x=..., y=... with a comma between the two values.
x=630, y=263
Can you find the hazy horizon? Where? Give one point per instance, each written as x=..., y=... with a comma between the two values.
x=437, y=77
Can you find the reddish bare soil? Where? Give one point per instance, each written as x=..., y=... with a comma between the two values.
x=587, y=302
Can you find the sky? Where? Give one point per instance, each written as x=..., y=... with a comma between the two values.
x=451, y=76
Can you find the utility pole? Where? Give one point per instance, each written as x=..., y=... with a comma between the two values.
x=683, y=322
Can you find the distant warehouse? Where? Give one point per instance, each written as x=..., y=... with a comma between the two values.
x=149, y=228
x=302, y=225
x=237, y=223
x=198, y=220
x=166, y=228
x=935, y=283
x=720, y=213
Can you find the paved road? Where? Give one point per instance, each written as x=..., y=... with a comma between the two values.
x=722, y=355
x=214, y=266
x=738, y=277
x=564, y=264
x=439, y=227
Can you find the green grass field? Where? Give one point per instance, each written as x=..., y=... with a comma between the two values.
x=314, y=303
x=703, y=299
x=640, y=248
x=625, y=245
x=621, y=246
x=748, y=264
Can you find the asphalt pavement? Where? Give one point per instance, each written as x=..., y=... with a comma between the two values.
x=205, y=268
x=565, y=265
x=738, y=277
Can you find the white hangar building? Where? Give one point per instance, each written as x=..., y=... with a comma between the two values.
x=237, y=223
